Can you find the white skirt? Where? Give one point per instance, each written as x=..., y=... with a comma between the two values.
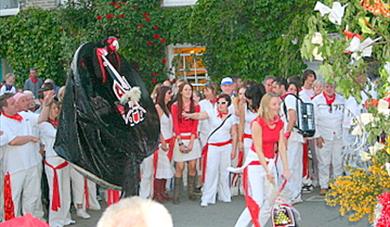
x=164, y=168
x=178, y=156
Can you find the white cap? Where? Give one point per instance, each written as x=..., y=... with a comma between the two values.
x=227, y=81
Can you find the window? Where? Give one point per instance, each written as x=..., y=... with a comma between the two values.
x=9, y=7
x=186, y=62
x=172, y=3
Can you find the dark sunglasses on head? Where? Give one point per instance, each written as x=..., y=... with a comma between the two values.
x=222, y=103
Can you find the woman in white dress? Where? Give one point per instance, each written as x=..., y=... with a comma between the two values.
x=57, y=171
x=163, y=170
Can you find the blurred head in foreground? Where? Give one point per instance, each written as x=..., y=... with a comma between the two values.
x=135, y=212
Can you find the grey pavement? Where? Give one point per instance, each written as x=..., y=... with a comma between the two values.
x=314, y=213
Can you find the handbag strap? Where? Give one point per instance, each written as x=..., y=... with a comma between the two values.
x=215, y=130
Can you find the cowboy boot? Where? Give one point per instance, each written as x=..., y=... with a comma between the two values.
x=157, y=191
x=164, y=193
x=177, y=189
x=191, y=188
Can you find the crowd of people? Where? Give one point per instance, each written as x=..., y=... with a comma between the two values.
x=230, y=138
x=32, y=175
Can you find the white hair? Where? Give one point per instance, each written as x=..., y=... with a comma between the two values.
x=136, y=212
x=29, y=93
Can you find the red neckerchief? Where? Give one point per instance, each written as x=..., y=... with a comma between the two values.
x=329, y=100
x=54, y=122
x=34, y=79
x=221, y=115
x=285, y=95
x=213, y=101
x=16, y=117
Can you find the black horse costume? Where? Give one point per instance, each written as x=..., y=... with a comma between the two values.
x=108, y=122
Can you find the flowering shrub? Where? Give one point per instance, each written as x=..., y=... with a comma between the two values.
x=357, y=193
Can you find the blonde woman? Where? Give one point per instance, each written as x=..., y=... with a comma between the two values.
x=259, y=167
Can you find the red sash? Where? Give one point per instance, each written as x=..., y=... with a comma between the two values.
x=204, y=155
x=246, y=136
x=9, y=209
x=55, y=200
x=253, y=207
x=155, y=162
x=113, y=196
x=86, y=193
x=171, y=141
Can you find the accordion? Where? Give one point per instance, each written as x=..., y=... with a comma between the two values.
x=305, y=117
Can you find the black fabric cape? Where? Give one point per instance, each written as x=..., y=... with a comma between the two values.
x=93, y=136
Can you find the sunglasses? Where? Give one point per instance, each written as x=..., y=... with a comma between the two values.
x=221, y=103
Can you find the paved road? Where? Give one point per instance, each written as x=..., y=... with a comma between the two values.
x=314, y=213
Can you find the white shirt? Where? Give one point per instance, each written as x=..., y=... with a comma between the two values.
x=224, y=133
x=306, y=94
x=19, y=157
x=204, y=125
x=249, y=117
x=3, y=91
x=291, y=104
x=329, y=121
x=352, y=110
x=48, y=137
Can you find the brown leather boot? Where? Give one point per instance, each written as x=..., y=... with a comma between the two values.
x=157, y=191
x=164, y=193
x=177, y=190
x=191, y=188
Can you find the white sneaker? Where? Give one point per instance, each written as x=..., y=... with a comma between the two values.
x=296, y=200
x=203, y=204
x=82, y=214
x=69, y=222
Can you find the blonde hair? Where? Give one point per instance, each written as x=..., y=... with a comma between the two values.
x=264, y=110
x=8, y=75
x=136, y=212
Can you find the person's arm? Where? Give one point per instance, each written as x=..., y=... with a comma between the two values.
x=194, y=130
x=44, y=115
x=160, y=113
x=196, y=116
x=21, y=140
x=241, y=127
x=234, y=134
x=175, y=120
x=26, y=86
x=283, y=154
x=257, y=137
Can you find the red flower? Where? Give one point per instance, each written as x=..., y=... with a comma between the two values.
x=155, y=27
x=163, y=40
x=149, y=43
x=154, y=74
x=118, y=6
x=109, y=16
x=156, y=36
x=112, y=3
x=121, y=15
x=147, y=17
x=154, y=80
x=164, y=61
x=99, y=17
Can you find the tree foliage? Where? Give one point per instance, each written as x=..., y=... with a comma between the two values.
x=246, y=38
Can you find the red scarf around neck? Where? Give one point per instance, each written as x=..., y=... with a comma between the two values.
x=54, y=122
x=34, y=79
x=16, y=117
x=329, y=99
x=221, y=114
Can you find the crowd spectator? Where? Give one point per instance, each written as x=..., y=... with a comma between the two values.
x=33, y=83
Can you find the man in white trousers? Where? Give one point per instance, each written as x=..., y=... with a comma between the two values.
x=81, y=186
x=294, y=150
x=329, y=111
x=20, y=168
x=288, y=113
